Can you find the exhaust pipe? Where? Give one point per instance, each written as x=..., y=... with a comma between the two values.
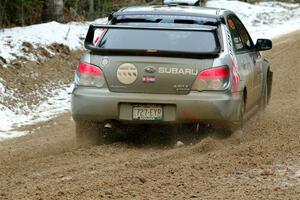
x=108, y=129
x=108, y=126
x=112, y=130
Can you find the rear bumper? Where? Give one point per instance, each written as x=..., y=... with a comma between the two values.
x=205, y=107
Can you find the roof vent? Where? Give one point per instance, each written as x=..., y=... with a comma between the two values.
x=181, y=2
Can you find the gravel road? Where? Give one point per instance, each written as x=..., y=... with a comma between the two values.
x=260, y=162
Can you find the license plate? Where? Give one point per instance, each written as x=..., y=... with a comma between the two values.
x=147, y=112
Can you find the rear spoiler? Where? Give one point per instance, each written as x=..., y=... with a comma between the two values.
x=88, y=43
x=181, y=2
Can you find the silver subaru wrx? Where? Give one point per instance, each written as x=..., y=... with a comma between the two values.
x=169, y=64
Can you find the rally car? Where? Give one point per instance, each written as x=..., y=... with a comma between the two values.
x=169, y=64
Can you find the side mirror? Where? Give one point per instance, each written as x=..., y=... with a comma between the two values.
x=263, y=45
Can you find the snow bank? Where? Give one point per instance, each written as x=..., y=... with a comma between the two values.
x=42, y=35
x=263, y=20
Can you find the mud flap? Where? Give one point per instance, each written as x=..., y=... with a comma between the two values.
x=270, y=81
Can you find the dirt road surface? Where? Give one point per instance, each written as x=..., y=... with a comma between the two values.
x=260, y=162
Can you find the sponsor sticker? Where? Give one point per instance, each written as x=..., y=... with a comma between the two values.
x=127, y=73
x=149, y=79
x=231, y=24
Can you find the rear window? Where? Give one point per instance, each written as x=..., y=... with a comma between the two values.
x=160, y=40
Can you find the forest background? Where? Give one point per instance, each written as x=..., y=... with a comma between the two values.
x=27, y=12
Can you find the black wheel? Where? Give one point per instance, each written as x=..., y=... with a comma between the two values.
x=88, y=132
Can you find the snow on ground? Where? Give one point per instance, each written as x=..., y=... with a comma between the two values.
x=263, y=20
x=42, y=35
x=58, y=103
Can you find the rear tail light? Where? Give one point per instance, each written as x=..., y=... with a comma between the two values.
x=216, y=78
x=89, y=75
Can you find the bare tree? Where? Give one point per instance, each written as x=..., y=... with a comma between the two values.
x=53, y=10
x=58, y=10
x=91, y=7
x=2, y=12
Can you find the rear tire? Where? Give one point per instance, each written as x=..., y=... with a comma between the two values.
x=88, y=133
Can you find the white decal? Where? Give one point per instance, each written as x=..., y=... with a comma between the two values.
x=234, y=63
x=174, y=70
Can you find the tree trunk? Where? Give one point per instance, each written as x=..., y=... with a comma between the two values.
x=91, y=7
x=2, y=13
x=58, y=10
x=53, y=10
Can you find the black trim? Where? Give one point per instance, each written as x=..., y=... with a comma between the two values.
x=199, y=28
x=154, y=12
x=130, y=52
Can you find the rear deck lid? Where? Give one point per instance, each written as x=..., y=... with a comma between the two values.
x=158, y=60
x=156, y=75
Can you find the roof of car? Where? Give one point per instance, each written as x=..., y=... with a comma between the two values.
x=172, y=9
